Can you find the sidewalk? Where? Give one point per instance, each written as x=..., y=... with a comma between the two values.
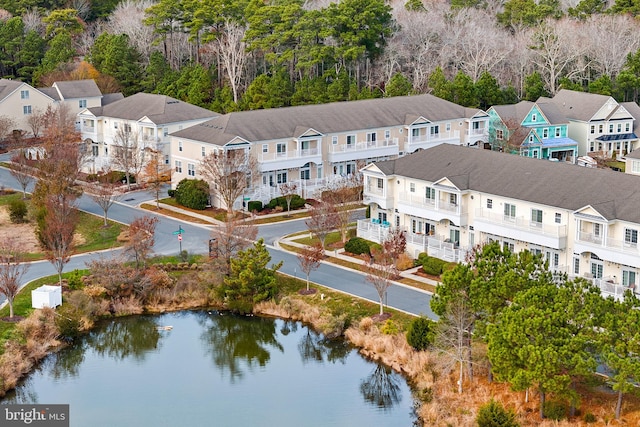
x=339, y=254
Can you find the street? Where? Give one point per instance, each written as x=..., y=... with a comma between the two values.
x=195, y=241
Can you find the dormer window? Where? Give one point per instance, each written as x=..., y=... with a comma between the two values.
x=534, y=117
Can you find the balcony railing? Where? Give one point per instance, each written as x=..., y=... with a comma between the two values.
x=623, y=246
x=284, y=155
x=432, y=137
x=364, y=145
x=523, y=223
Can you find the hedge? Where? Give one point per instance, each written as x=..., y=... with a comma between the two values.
x=297, y=202
x=357, y=246
x=192, y=193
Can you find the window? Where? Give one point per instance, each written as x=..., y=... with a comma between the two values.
x=380, y=183
x=489, y=203
x=592, y=129
x=557, y=132
x=448, y=127
x=630, y=237
x=430, y=193
x=281, y=177
x=499, y=134
x=534, y=117
x=178, y=166
x=351, y=139
x=535, y=154
x=576, y=265
x=628, y=277
x=545, y=133
x=334, y=140
x=558, y=218
x=82, y=103
x=600, y=128
x=536, y=217
x=191, y=169
x=619, y=127
x=627, y=127
x=281, y=148
x=371, y=138
x=94, y=150
x=304, y=173
x=531, y=139
x=412, y=187
x=509, y=211
x=635, y=166
x=165, y=131
x=24, y=94
x=166, y=159
x=435, y=130
x=453, y=199
x=26, y=109
x=387, y=134
x=265, y=148
x=415, y=132
x=179, y=145
x=597, y=230
x=611, y=128
x=203, y=151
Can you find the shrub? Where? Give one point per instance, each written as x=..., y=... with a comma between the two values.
x=404, y=262
x=18, y=211
x=493, y=414
x=420, y=260
x=357, y=246
x=74, y=280
x=433, y=266
x=171, y=192
x=554, y=410
x=254, y=205
x=590, y=418
x=389, y=328
x=420, y=333
x=192, y=193
x=297, y=202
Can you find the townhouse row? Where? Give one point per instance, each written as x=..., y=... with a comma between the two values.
x=448, y=199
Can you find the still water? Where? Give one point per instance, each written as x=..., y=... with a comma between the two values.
x=214, y=369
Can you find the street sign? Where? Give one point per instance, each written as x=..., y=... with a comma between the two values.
x=180, y=231
x=246, y=199
x=180, y=237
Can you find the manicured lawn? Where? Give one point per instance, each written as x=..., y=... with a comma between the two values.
x=332, y=238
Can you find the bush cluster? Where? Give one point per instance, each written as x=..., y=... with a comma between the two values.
x=297, y=202
x=192, y=193
x=18, y=211
x=493, y=414
x=254, y=205
x=433, y=266
x=357, y=246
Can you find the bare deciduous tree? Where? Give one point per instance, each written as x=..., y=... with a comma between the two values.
x=230, y=238
x=141, y=239
x=105, y=194
x=229, y=173
x=340, y=194
x=156, y=173
x=323, y=220
x=22, y=171
x=453, y=338
x=7, y=124
x=288, y=190
x=56, y=230
x=309, y=259
x=380, y=276
x=12, y=269
x=37, y=121
x=233, y=54
x=127, y=154
x=395, y=244
x=127, y=18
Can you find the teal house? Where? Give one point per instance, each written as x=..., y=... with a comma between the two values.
x=531, y=129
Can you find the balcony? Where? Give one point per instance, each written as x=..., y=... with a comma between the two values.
x=608, y=249
x=289, y=159
x=435, y=246
x=413, y=143
x=521, y=228
x=377, y=195
x=433, y=209
x=370, y=230
x=473, y=135
x=363, y=150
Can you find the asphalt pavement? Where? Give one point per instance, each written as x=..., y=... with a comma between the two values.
x=195, y=238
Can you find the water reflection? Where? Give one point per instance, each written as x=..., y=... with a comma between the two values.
x=382, y=387
x=131, y=337
x=237, y=341
x=314, y=347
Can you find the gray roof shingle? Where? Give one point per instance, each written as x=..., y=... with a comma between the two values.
x=160, y=109
x=279, y=123
x=78, y=89
x=579, y=105
x=615, y=195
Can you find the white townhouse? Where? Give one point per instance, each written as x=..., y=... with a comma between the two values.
x=599, y=123
x=313, y=145
x=18, y=100
x=449, y=199
x=147, y=118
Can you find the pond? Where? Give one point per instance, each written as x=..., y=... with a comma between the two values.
x=216, y=369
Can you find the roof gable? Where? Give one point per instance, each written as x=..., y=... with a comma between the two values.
x=535, y=113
